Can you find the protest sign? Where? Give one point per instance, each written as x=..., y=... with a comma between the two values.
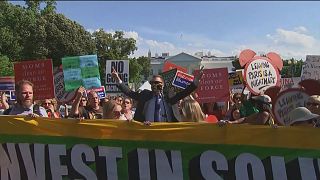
x=182, y=80
x=81, y=71
x=214, y=86
x=287, y=83
x=235, y=81
x=260, y=74
x=116, y=149
x=60, y=94
x=286, y=101
x=169, y=65
x=100, y=92
x=7, y=83
x=122, y=67
x=38, y=72
x=311, y=68
x=168, y=77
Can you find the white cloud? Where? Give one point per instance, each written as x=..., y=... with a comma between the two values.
x=293, y=38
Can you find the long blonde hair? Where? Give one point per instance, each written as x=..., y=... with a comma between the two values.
x=191, y=111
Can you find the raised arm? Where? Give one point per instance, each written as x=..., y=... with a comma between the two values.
x=124, y=88
x=75, y=106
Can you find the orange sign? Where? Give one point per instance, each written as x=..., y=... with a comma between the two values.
x=38, y=72
x=169, y=65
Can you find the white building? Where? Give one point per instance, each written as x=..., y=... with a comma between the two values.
x=190, y=62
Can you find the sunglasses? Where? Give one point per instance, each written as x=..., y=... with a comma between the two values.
x=155, y=82
x=237, y=98
x=83, y=100
x=312, y=104
x=46, y=103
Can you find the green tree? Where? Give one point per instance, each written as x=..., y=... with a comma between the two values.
x=6, y=66
x=112, y=47
x=135, y=70
x=144, y=62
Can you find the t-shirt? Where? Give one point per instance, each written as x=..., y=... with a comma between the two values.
x=248, y=109
x=90, y=113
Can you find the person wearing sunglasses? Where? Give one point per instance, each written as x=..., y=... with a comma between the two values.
x=152, y=105
x=127, y=112
x=51, y=105
x=111, y=110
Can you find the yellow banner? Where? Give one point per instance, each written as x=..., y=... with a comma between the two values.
x=199, y=133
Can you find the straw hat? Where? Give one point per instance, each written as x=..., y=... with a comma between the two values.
x=301, y=114
x=314, y=99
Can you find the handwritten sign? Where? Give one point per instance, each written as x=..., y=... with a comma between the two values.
x=260, y=74
x=38, y=72
x=169, y=65
x=287, y=83
x=214, y=86
x=122, y=67
x=311, y=68
x=235, y=81
x=286, y=101
x=60, y=94
x=182, y=80
x=81, y=71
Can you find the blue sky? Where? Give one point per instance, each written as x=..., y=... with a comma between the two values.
x=223, y=28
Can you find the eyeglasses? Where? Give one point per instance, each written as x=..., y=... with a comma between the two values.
x=312, y=104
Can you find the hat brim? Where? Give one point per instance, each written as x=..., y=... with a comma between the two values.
x=305, y=118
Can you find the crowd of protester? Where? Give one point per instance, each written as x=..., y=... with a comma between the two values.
x=142, y=106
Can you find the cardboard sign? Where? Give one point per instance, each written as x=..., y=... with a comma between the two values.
x=40, y=74
x=214, y=86
x=311, y=68
x=182, y=80
x=169, y=65
x=7, y=83
x=168, y=77
x=235, y=81
x=260, y=74
x=100, y=91
x=122, y=67
x=60, y=94
x=287, y=83
x=81, y=71
x=286, y=101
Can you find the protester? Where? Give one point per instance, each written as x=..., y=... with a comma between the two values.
x=119, y=100
x=127, y=112
x=83, y=102
x=191, y=111
x=91, y=111
x=301, y=116
x=25, y=104
x=313, y=104
x=111, y=110
x=51, y=107
x=152, y=105
x=264, y=115
x=4, y=105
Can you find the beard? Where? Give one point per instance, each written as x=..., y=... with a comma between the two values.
x=27, y=103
